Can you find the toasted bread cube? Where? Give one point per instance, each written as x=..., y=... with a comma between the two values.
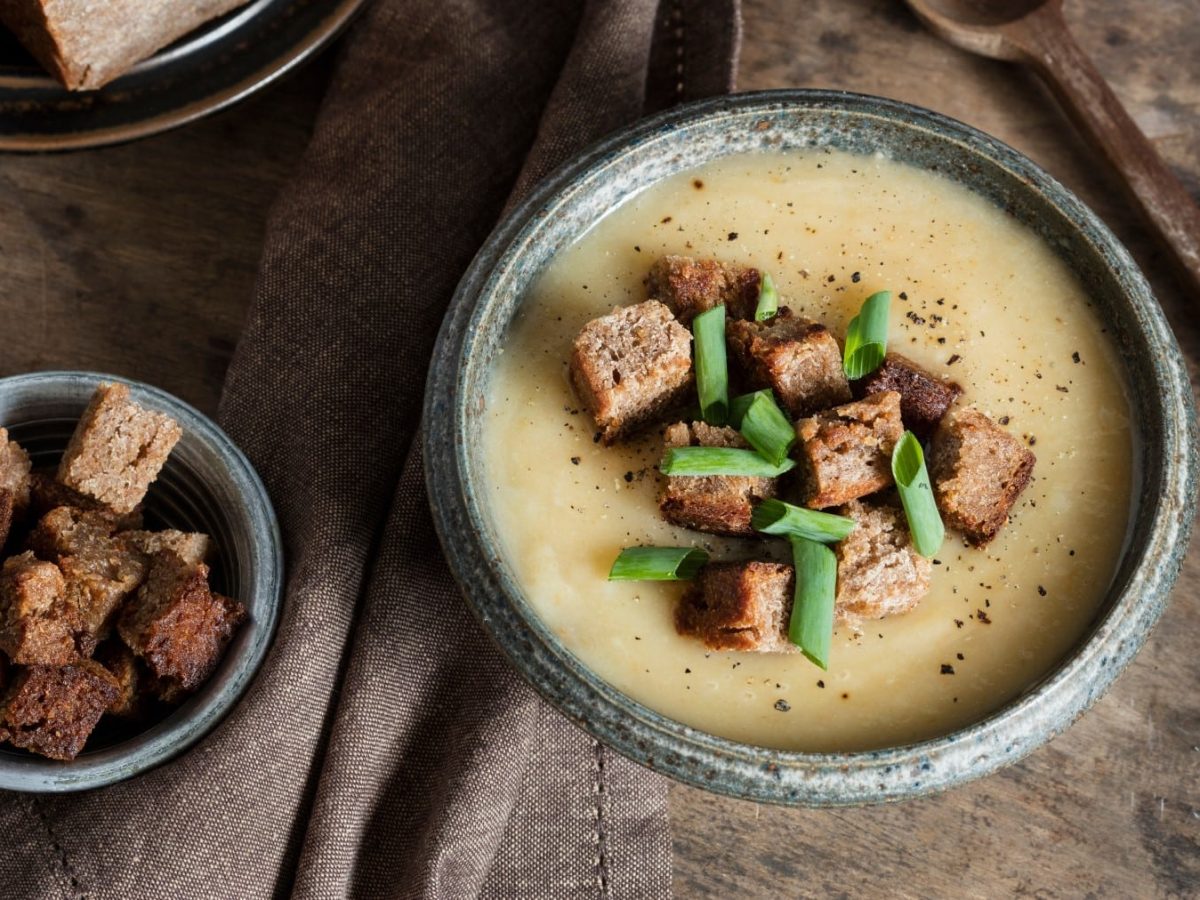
x=630, y=366
x=795, y=357
x=846, y=452
x=51, y=710
x=176, y=625
x=692, y=286
x=120, y=662
x=6, y=515
x=40, y=623
x=192, y=547
x=117, y=449
x=978, y=471
x=14, y=474
x=46, y=493
x=739, y=606
x=880, y=573
x=720, y=504
x=70, y=531
x=924, y=398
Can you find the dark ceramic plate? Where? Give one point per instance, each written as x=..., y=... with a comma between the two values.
x=207, y=70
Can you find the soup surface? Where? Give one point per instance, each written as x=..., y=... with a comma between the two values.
x=975, y=296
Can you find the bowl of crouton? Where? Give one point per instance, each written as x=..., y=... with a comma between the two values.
x=140, y=579
x=811, y=448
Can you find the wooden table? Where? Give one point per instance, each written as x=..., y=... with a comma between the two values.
x=140, y=260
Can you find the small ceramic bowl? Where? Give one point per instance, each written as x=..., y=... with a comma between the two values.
x=577, y=196
x=206, y=485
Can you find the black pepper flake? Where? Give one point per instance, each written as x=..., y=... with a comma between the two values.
x=959, y=656
x=628, y=477
x=637, y=248
x=959, y=623
x=1041, y=591
x=698, y=184
x=941, y=340
x=947, y=669
x=831, y=279
x=779, y=255
x=596, y=438
x=576, y=460
x=1004, y=420
x=954, y=357
x=821, y=684
x=856, y=277
x=982, y=617
x=914, y=318
x=1032, y=440
x=1075, y=357
x=687, y=671
x=665, y=220
x=1061, y=388
x=903, y=295
x=733, y=235
x=782, y=705
x=845, y=696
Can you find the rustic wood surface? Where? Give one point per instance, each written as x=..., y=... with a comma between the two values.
x=140, y=260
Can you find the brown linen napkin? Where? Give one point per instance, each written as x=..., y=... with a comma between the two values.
x=387, y=749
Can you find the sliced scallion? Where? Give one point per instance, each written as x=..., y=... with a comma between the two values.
x=916, y=494
x=720, y=461
x=811, y=625
x=768, y=299
x=866, y=337
x=657, y=564
x=767, y=429
x=739, y=404
x=776, y=517
x=712, y=372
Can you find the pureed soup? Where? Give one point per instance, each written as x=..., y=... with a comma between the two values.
x=976, y=296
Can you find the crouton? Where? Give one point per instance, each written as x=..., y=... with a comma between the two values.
x=692, y=286
x=175, y=624
x=739, y=606
x=40, y=625
x=630, y=366
x=924, y=398
x=795, y=357
x=978, y=471
x=720, y=504
x=846, y=452
x=191, y=547
x=14, y=474
x=52, y=710
x=46, y=494
x=879, y=572
x=117, y=449
x=6, y=515
x=123, y=666
x=69, y=531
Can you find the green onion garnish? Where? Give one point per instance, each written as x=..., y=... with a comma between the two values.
x=776, y=517
x=811, y=625
x=712, y=372
x=768, y=299
x=767, y=429
x=739, y=404
x=657, y=564
x=912, y=481
x=720, y=461
x=866, y=337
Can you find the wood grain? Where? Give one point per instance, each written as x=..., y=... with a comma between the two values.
x=140, y=260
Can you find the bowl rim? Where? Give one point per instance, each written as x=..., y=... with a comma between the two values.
x=183, y=728
x=791, y=777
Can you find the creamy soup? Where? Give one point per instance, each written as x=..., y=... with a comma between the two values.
x=975, y=296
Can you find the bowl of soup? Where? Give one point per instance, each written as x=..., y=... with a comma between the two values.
x=1004, y=279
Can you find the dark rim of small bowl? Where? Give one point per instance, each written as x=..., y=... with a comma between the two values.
x=183, y=727
x=1160, y=524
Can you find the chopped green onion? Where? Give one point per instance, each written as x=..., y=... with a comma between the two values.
x=811, y=625
x=912, y=481
x=768, y=429
x=739, y=404
x=776, y=517
x=720, y=461
x=712, y=372
x=866, y=337
x=657, y=564
x=768, y=299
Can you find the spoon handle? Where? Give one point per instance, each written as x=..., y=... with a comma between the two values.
x=1096, y=110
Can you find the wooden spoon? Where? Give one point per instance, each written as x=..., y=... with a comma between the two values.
x=1034, y=32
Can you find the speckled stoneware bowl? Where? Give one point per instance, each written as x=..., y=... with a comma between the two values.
x=207, y=485
x=569, y=202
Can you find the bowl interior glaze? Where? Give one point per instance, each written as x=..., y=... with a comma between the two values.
x=206, y=485
x=577, y=196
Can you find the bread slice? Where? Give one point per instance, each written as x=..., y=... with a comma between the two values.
x=85, y=44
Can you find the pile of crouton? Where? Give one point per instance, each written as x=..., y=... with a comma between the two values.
x=633, y=370
x=97, y=615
